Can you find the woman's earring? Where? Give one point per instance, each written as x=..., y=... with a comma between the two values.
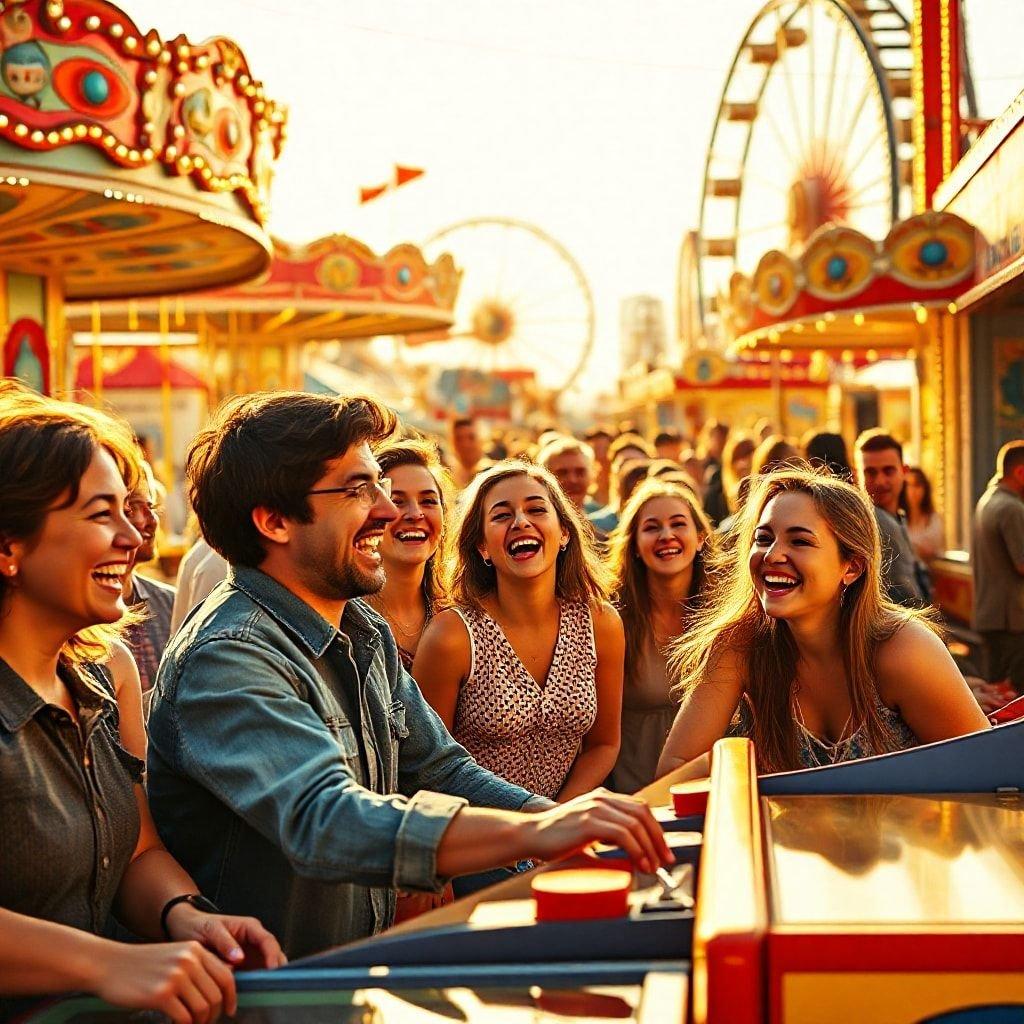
x=487, y=561
x=843, y=588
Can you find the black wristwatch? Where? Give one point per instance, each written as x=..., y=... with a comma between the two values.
x=194, y=899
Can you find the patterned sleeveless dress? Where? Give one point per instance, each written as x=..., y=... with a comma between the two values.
x=528, y=732
x=814, y=752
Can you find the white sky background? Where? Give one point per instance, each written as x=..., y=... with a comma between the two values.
x=586, y=117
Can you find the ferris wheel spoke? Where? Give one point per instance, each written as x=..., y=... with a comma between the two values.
x=783, y=142
x=884, y=180
x=540, y=301
x=762, y=229
x=849, y=172
x=787, y=78
x=812, y=64
x=545, y=322
x=503, y=264
x=851, y=123
x=830, y=92
x=768, y=183
x=545, y=353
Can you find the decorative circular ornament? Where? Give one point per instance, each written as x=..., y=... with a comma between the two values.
x=493, y=322
x=404, y=271
x=704, y=368
x=838, y=263
x=338, y=272
x=931, y=250
x=741, y=301
x=90, y=88
x=775, y=288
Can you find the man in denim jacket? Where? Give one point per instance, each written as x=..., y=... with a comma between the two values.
x=294, y=767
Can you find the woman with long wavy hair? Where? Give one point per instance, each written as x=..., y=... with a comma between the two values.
x=525, y=668
x=421, y=491
x=797, y=648
x=77, y=841
x=657, y=565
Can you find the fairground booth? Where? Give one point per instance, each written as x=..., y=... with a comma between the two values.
x=260, y=335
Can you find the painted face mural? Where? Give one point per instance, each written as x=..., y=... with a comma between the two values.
x=25, y=69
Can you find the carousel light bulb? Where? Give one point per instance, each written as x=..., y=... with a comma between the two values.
x=92, y=23
x=64, y=23
x=116, y=30
x=130, y=42
x=37, y=136
x=819, y=326
x=81, y=131
x=3, y=120
x=53, y=138
x=952, y=309
x=858, y=319
x=151, y=75
x=153, y=47
x=920, y=314
x=798, y=328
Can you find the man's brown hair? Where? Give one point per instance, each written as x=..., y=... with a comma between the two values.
x=267, y=450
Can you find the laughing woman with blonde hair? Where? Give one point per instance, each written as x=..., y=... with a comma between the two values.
x=798, y=649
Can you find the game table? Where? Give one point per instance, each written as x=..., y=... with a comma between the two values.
x=888, y=890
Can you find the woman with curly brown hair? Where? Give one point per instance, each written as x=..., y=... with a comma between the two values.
x=797, y=648
x=77, y=841
x=525, y=668
x=657, y=564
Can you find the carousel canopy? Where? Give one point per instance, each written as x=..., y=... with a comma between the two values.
x=129, y=165
x=844, y=290
x=335, y=288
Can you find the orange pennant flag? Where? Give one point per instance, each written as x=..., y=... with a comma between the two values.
x=406, y=174
x=367, y=194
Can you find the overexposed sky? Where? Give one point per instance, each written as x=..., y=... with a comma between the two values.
x=589, y=118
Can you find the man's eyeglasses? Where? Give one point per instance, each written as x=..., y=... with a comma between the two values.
x=140, y=508
x=365, y=492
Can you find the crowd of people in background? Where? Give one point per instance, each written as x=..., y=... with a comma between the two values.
x=392, y=663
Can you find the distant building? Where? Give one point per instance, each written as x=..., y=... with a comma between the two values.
x=643, y=336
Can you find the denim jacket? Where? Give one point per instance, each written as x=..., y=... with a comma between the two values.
x=295, y=768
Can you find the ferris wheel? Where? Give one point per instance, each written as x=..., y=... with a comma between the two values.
x=524, y=304
x=814, y=127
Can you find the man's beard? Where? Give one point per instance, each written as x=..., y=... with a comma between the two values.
x=344, y=582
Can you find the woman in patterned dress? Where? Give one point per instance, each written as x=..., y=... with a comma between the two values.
x=797, y=648
x=420, y=489
x=525, y=668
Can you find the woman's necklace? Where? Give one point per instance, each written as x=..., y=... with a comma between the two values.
x=410, y=632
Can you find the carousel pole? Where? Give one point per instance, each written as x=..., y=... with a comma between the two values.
x=97, y=357
x=165, y=395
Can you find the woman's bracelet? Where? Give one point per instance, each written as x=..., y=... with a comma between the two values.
x=194, y=899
